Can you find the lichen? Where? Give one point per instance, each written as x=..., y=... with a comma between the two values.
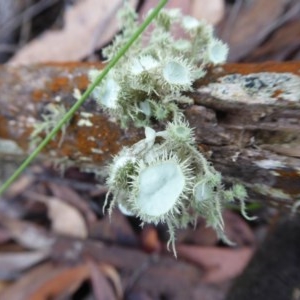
x=163, y=178
x=10, y=147
x=84, y=122
x=52, y=114
x=150, y=82
x=260, y=88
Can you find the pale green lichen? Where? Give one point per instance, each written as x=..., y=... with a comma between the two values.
x=151, y=79
x=163, y=178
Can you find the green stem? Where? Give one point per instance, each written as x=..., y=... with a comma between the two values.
x=83, y=98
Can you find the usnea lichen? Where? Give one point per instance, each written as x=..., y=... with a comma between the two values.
x=163, y=178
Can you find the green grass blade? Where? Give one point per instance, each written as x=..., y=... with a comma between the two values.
x=83, y=98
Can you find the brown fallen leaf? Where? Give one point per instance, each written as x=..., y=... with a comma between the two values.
x=212, y=11
x=12, y=264
x=114, y=277
x=65, y=219
x=155, y=274
x=220, y=264
x=101, y=287
x=19, y=289
x=280, y=45
x=88, y=24
x=69, y=279
x=20, y=185
x=201, y=235
x=184, y=6
x=114, y=229
x=47, y=281
x=253, y=23
x=29, y=235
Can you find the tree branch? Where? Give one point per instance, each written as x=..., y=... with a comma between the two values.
x=248, y=124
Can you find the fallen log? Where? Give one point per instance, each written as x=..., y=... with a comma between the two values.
x=246, y=119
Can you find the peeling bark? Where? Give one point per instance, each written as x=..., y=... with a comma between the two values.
x=247, y=120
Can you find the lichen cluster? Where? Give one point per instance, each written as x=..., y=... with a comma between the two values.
x=163, y=178
x=152, y=78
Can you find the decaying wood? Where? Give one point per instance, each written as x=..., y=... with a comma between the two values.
x=247, y=124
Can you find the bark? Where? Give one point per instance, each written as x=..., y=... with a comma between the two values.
x=247, y=124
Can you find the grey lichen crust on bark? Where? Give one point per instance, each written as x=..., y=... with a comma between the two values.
x=253, y=131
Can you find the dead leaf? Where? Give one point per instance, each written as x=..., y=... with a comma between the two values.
x=201, y=235
x=111, y=273
x=183, y=5
x=70, y=196
x=27, y=234
x=114, y=229
x=19, y=289
x=65, y=219
x=155, y=274
x=11, y=264
x=88, y=24
x=212, y=11
x=47, y=281
x=50, y=281
x=69, y=279
x=280, y=45
x=101, y=287
x=220, y=263
x=253, y=23
x=20, y=185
